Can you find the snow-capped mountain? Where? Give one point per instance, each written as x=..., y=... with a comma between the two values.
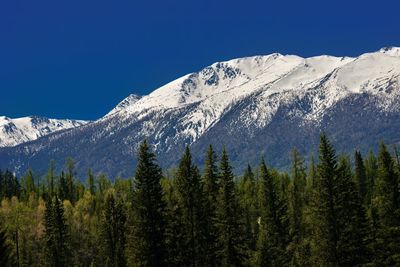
x=261, y=105
x=17, y=131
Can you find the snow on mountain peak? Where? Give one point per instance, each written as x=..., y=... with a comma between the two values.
x=16, y=131
x=392, y=51
x=219, y=86
x=130, y=100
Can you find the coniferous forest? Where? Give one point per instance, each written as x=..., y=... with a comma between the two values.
x=336, y=210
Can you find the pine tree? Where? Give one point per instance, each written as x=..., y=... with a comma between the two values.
x=361, y=176
x=338, y=219
x=63, y=187
x=353, y=242
x=112, y=232
x=211, y=183
x=232, y=249
x=272, y=242
x=299, y=247
x=91, y=182
x=148, y=238
x=56, y=234
x=70, y=180
x=324, y=219
x=247, y=194
x=50, y=180
x=190, y=196
x=6, y=258
x=371, y=172
x=175, y=237
x=386, y=203
x=28, y=183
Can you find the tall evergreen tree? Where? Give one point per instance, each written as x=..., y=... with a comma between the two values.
x=338, y=219
x=299, y=248
x=232, y=251
x=371, y=172
x=56, y=234
x=113, y=230
x=91, y=182
x=386, y=203
x=148, y=239
x=50, y=176
x=353, y=241
x=175, y=237
x=190, y=198
x=70, y=180
x=211, y=183
x=361, y=176
x=272, y=242
x=324, y=219
x=247, y=194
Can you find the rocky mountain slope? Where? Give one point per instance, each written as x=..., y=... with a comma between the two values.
x=262, y=105
x=17, y=131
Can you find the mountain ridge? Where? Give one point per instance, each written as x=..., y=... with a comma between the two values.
x=246, y=99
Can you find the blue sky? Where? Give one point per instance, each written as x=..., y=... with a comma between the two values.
x=78, y=59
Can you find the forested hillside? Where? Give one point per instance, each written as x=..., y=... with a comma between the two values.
x=339, y=210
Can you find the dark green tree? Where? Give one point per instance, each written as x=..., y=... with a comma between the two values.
x=56, y=234
x=324, y=219
x=190, y=197
x=247, y=195
x=386, y=204
x=149, y=211
x=50, y=180
x=210, y=188
x=353, y=234
x=299, y=247
x=113, y=232
x=361, y=176
x=232, y=250
x=272, y=240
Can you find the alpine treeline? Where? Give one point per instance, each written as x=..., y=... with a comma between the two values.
x=336, y=211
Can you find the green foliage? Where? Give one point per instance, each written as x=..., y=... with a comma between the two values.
x=191, y=200
x=56, y=234
x=113, y=232
x=314, y=217
x=147, y=240
x=6, y=257
x=273, y=235
x=232, y=250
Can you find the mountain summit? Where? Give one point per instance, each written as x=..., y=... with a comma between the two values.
x=261, y=104
x=17, y=131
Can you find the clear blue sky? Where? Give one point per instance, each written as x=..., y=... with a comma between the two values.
x=77, y=58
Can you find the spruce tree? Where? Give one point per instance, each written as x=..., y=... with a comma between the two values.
x=339, y=220
x=112, y=232
x=232, y=250
x=175, y=237
x=148, y=237
x=386, y=203
x=371, y=172
x=324, y=219
x=299, y=247
x=56, y=234
x=211, y=183
x=247, y=194
x=50, y=180
x=353, y=242
x=361, y=176
x=272, y=242
x=190, y=197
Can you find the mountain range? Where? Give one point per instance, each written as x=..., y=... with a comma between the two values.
x=255, y=106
